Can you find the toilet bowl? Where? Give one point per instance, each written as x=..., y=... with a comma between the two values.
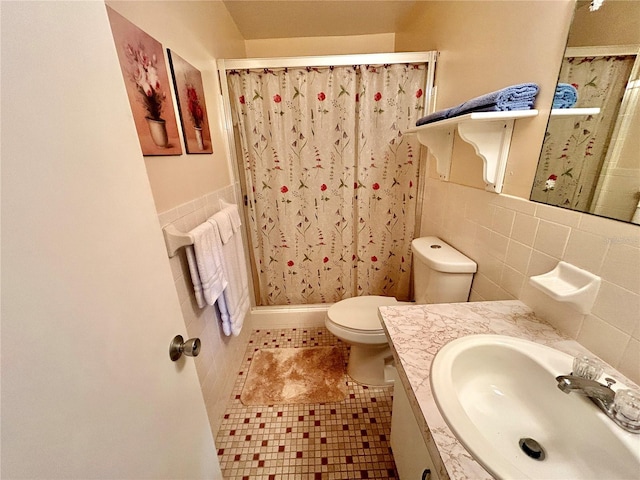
x=441, y=274
x=355, y=321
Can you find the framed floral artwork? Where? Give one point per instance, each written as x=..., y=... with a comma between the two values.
x=147, y=82
x=187, y=82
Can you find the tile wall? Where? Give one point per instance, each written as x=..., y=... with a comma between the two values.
x=512, y=239
x=220, y=355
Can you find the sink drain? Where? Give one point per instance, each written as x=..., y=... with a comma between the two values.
x=532, y=448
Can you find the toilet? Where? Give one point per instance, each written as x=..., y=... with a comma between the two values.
x=441, y=274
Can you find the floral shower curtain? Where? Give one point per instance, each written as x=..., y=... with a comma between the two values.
x=391, y=101
x=574, y=147
x=331, y=182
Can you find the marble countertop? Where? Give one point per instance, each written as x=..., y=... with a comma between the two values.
x=416, y=334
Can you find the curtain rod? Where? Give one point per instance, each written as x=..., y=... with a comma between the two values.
x=328, y=60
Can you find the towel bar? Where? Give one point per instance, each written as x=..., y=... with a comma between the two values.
x=175, y=239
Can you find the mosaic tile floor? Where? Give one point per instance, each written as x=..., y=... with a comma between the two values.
x=342, y=440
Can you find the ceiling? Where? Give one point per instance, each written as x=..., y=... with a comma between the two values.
x=316, y=18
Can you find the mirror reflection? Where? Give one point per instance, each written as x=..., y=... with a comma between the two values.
x=590, y=158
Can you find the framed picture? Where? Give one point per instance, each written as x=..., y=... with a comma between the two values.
x=187, y=82
x=147, y=82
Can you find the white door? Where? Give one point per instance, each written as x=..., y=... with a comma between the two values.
x=88, y=302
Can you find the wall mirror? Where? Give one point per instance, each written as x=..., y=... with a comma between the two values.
x=590, y=158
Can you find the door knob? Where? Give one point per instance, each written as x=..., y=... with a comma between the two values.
x=191, y=348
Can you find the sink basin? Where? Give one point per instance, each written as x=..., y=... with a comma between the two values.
x=496, y=391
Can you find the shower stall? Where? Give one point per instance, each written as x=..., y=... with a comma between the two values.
x=329, y=181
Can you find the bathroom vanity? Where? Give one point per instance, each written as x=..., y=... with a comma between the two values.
x=416, y=334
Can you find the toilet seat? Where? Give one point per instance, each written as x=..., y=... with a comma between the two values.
x=360, y=314
x=355, y=320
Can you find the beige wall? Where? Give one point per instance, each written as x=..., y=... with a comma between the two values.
x=200, y=32
x=614, y=23
x=485, y=46
x=294, y=47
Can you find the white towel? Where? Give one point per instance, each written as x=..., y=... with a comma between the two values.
x=205, y=264
x=234, y=301
x=195, y=276
x=234, y=214
x=225, y=226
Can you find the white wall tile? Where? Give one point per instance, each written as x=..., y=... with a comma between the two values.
x=176, y=267
x=480, y=212
x=540, y=263
x=514, y=203
x=463, y=231
x=186, y=208
x=498, y=246
x=168, y=217
x=551, y=238
x=617, y=232
x=558, y=314
x=558, y=215
x=502, y=221
x=525, y=228
x=199, y=203
x=512, y=281
x=603, y=339
x=586, y=250
x=491, y=267
x=488, y=289
x=618, y=307
x=622, y=266
x=476, y=297
x=184, y=287
x=192, y=220
x=190, y=314
x=483, y=239
x=518, y=256
x=630, y=361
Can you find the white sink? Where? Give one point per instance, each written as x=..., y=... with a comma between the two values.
x=494, y=390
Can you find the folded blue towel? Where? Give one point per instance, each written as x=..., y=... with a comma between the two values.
x=566, y=96
x=525, y=105
x=433, y=117
x=515, y=97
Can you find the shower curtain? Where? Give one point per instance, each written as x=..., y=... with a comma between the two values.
x=330, y=180
x=574, y=148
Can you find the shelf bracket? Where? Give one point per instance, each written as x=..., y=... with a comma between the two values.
x=488, y=132
x=491, y=141
x=440, y=144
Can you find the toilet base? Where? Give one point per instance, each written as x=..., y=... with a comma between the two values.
x=367, y=365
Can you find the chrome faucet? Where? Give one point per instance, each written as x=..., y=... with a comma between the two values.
x=602, y=395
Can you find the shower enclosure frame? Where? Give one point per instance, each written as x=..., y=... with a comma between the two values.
x=428, y=58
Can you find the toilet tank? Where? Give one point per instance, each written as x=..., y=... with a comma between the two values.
x=441, y=274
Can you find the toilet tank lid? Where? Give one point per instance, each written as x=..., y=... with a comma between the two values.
x=441, y=256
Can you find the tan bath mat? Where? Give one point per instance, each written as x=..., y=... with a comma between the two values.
x=295, y=375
